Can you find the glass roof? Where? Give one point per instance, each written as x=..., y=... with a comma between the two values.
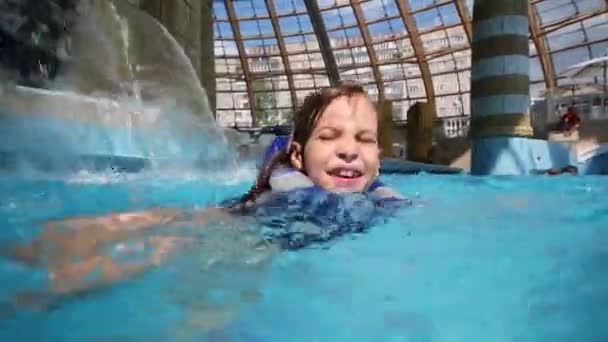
x=269, y=53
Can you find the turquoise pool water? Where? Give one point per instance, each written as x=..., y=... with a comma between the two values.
x=476, y=259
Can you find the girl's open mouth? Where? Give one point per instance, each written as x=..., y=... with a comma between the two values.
x=345, y=173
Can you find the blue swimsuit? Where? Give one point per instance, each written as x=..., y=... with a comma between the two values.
x=297, y=213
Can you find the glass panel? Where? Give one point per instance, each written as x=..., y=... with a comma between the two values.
x=256, y=28
x=599, y=49
x=457, y=37
x=219, y=10
x=264, y=99
x=267, y=116
x=415, y=88
x=337, y=38
x=311, y=42
x=446, y=84
x=305, y=61
x=227, y=84
x=469, y=5
x=380, y=31
x=532, y=47
x=596, y=27
x=552, y=11
x=275, y=83
x=339, y=17
x=234, y=118
x=591, y=5
x=228, y=65
x=362, y=75
x=295, y=24
x=392, y=72
x=289, y=6
x=435, y=41
x=565, y=59
x=250, y=8
x=565, y=37
x=536, y=70
x=321, y=81
x=427, y=20
x=395, y=90
x=405, y=47
x=270, y=105
x=464, y=80
x=232, y=100
x=303, y=81
x=442, y=64
x=400, y=109
x=449, y=14
x=294, y=44
x=386, y=51
x=466, y=103
x=224, y=118
x=326, y=3
x=463, y=59
x=537, y=90
x=265, y=64
x=222, y=30
x=224, y=100
x=354, y=36
x=307, y=81
x=283, y=99
x=412, y=70
x=348, y=57
x=257, y=47
x=344, y=57
x=372, y=91
x=223, y=84
x=373, y=10
x=450, y=106
x=342, y=38
x=301, y=94
x=225, y=48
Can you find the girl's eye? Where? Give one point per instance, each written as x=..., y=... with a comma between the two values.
x=369, y=140
x=325, y=137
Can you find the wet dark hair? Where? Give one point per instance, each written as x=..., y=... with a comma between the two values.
x=305, y=121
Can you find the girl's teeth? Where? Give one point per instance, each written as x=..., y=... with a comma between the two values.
x=346, y=173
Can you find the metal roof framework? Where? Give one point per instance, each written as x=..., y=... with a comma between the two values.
x=400, y=50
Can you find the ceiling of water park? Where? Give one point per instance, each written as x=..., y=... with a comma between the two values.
x=403, y=50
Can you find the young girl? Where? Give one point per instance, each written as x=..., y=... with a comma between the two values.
x=317, y=184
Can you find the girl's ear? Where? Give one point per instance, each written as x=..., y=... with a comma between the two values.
x=295, y=156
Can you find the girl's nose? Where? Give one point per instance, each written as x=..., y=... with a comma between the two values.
x=348, y=150
x=347, y=156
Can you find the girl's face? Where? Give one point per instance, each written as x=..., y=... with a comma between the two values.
x=342, y=153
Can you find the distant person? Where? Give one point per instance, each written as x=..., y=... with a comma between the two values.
x=569, y=122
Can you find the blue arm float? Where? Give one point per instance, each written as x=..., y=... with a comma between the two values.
x=279, y=144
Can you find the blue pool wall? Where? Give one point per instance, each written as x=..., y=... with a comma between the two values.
x=51, y=142
x=596, y=165
x=523, y=156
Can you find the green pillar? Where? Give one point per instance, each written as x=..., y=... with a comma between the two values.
x=500, y=88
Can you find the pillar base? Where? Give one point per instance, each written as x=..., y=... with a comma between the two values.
x=518, y=155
